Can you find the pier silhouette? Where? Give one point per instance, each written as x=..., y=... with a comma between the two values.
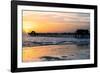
x=80, y=33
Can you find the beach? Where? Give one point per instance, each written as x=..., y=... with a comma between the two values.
x=37, y=49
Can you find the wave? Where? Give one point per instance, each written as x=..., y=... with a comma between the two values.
x=41, y=41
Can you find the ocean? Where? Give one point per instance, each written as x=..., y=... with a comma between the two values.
x=55, y=48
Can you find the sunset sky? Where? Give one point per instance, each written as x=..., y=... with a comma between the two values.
x=50, y=22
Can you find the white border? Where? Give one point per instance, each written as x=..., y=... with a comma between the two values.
x=53, y=63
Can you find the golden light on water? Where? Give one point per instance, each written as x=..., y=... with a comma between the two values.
x=33, y=54
x=44, y=22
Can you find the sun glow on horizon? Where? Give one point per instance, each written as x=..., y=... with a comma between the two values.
x=51, y=22
x=28, y=27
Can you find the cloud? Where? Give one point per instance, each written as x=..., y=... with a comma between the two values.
x=80, y=20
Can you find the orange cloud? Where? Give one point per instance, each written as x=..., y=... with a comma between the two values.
x=54, y=21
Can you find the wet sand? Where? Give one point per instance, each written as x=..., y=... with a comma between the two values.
x=55, y=52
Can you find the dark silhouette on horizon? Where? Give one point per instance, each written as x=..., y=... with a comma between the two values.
x=80, y=33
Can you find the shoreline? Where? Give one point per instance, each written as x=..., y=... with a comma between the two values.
x=34, y=44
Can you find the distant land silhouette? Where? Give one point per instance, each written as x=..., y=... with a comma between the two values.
x=80, y=33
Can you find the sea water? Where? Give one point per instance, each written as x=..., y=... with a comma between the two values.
x=55, y=48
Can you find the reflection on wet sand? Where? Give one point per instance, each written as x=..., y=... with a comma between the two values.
x=56, y=52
